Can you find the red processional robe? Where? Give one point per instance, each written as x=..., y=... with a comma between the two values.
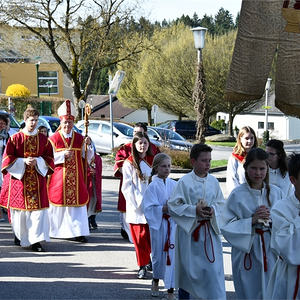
x=29, y=193
x=66, y=184
x=122, y=154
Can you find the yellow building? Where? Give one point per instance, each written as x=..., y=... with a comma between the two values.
x=49, y=77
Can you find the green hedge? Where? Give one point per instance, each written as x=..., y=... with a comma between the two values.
x=20, y=105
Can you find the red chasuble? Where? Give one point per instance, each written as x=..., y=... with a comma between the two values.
x=122, y=154
x=66, y=184
x=29, y=193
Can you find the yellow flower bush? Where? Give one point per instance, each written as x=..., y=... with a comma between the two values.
x=17, y=90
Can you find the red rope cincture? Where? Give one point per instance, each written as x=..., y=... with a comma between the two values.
x=168, y=244
x=297, y=283
x=248, y=256
x=196, y=233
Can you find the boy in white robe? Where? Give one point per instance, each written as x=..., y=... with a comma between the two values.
x=195, y=206
x=284, y=282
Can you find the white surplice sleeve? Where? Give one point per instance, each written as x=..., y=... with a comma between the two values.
x=181, y=208
x=152, y=207
x=41, y=166
x=236, y=229
x=218, y=206
x=59, y=157
x=90, y=152
x=232, y=177
x=17, y=169
x=286, y=231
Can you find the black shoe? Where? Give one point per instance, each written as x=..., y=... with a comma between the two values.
x=17, y=241
x=149, y=266
x=37, y=247
x=92, y=222
x=81, y=239
x=124, y=234
x=142, y=273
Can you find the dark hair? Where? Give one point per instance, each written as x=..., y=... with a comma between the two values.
x=135, y=154
x=4, y=119
x=282, y=159
x=141, y=124
x=43, y=127
x=259, y=154
x=294, y=165
x=197, y=149
x=238, y=148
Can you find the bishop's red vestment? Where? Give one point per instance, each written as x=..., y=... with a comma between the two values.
x=66, y=185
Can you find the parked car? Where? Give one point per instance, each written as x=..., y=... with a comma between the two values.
x=168, y=138
x=51, y=123
x=187, y=128
x=14, y=125
x=100, y=133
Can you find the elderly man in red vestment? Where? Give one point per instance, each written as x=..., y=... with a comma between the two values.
x=27, y=160
x=68, y=194
x=122, y=154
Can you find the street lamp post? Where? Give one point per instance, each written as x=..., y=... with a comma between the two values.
x=266, y=130
x=199, y=88
x=114, y=86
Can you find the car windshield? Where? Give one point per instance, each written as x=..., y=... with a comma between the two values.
x=169, y=134
x=125, y=129
x=54, y=124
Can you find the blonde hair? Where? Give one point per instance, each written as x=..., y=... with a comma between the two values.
x=238, y=148
x=158, y=159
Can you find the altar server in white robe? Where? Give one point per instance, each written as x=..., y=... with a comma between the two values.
x=195, y=206
x=247, y=228
x=161, y=225
x=285, y=279
x=245, y=141
x=278, y=174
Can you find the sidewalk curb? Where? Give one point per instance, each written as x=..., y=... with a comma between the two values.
x=181, y=171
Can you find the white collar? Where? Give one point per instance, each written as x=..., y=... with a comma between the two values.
x=67, y=135
x=25, y=131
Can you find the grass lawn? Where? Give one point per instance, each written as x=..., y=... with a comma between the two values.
x=225, y=144
x=219, y=163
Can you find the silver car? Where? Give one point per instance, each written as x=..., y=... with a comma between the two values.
x=100, y=133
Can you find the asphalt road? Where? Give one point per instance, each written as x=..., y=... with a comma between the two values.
x=104, y=268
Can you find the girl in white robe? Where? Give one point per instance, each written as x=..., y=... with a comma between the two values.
x=162, y=227
x=136, y=173
x=247, y=228
x=196, y=205
x=278, y=174
x=245, y=141
x=285, y=279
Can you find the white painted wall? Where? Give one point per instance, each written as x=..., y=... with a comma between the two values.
x=285, y=127
x=140, y=115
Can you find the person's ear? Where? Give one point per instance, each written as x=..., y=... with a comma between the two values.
x=193, y=161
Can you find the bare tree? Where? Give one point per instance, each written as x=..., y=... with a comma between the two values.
x=76, y=31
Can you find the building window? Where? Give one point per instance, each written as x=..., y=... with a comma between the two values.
x=48, y=82
x=261, y=125
x=270, y=125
